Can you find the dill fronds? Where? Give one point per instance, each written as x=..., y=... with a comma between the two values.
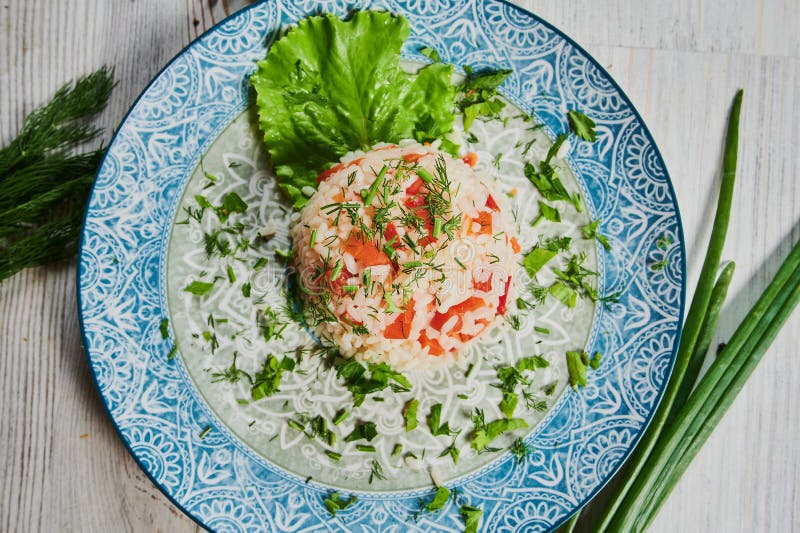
x=43, y=184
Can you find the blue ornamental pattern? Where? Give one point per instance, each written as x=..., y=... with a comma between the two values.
x=224, y=485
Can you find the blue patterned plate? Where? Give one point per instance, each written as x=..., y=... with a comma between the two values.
x=233, y=465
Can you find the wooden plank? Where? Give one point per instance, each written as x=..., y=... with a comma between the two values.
x=680, y=63
x=765, y=27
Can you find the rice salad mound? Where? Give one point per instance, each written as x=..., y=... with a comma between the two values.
x=404, y=255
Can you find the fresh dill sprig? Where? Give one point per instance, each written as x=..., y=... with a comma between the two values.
x=44, y=185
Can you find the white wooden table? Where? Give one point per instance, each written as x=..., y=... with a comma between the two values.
x=63, y=467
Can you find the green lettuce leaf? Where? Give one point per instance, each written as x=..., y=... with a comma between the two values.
x=331, y=86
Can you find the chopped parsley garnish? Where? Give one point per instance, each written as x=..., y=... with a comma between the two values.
x=581, y=125
x=546, y=179
x=509, y=403
x=537, y=258
x=205, y=432
x=231, y=203
x=434, y=419
x=246, y=289
x=199, y=288
x=564, y=294
x=547, y=212
x=511, y=376
x=360, y=383
x=590, y=231
x=268, y=379
x=472, y=518
x=439, y=499
x=574, y=276
x=452, y=451
x=478, y=95
x=231, y=274
x=410, y=414
x=363, y=431
x=484, y=434
x=531, y=363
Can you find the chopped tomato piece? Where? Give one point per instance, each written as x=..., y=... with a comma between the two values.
x=390, y=233
x=485, y=286
x=401, y=327
x=385, y=147
x=440, y=319
x=470, y=304
x=426, y=240
x=413, y=158
x=347, y=319
x=485, y=221
x=501, y=304
x=325, y=174
x=470, y=158
x=434, y=348
x=415, y=187
x=338, y=284
x=365, y=253
x=491, y=204
x=467, y=336
x=515, y=245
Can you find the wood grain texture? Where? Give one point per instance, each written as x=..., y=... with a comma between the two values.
x=64, y=468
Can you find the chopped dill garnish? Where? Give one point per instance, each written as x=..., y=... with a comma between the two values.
x=521, y=450
x=232, y=374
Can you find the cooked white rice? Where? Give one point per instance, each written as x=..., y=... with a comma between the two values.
x=384, y=281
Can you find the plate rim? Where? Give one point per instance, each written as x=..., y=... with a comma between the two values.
x=591, y=59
